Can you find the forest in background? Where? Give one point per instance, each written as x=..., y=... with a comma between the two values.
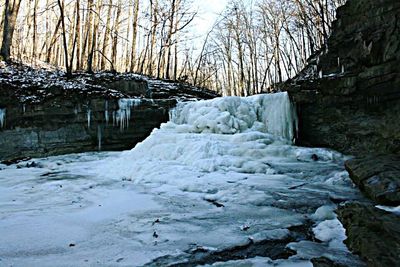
x=252, y=45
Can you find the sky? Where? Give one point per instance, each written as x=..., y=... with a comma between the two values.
x=208, y=13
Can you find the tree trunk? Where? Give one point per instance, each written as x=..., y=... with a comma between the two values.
x=10, y=18
x=64, y=34
x=134, y=35
x=116, y=32
x=106, y=37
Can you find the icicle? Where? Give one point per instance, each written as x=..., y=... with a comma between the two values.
x=320, y=74
x=106, y=115
x=2, y=117
x=23, y=108
x=123, y=114
x=89, y=114
x=99, y=136
x=279, y=115
x=338, y=61
x=342, y=69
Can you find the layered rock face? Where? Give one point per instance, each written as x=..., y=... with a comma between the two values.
x=348, y=99
x=42, y=115
x=349, y=96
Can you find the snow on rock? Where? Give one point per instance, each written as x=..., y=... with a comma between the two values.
x=395, y=210
x=331, y=231
x=2, y=117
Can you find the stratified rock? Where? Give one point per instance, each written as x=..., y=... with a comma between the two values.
x=378, y=177
x=372, y=233
x=354, y=107
x=42, y=113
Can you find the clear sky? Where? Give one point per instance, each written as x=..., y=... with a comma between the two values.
x=208, y=13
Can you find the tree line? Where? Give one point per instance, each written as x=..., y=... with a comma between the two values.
x=252, y=45
x=257, y=44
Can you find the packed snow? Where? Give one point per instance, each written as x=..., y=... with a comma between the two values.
x=222, y=173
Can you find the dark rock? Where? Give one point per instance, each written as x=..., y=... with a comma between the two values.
x=378, y=177
x=274, y=249
x=355, y=111
x=49, y=115
x=325, y=262
x=15, y=160
x=372, y=233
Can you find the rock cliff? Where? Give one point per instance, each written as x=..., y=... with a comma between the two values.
x=348, y=97
x=42, y=114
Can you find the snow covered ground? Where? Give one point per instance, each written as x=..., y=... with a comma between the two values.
x=221, y=174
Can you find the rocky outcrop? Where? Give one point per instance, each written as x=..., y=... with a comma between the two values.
x=348, y=97
x=378, y=177
x=372, y=233
x=42, y=113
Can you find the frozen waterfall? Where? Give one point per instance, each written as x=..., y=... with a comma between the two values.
x=268, y=113
x=225, y=167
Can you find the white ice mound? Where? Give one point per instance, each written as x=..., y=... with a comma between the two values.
x=269, y=113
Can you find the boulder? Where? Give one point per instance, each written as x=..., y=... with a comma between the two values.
x=372, y=233
x=378, y=177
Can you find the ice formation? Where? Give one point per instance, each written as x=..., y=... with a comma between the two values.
x=268, y=113
x=122, y=116
x=2, y=117
x=89, y=117
x=99, y=137
x=220, y=173
x=106, y=113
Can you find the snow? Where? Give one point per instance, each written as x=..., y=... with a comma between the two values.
x=220, y=173
x=2, y=117
x=394, y=210
x=331, y=231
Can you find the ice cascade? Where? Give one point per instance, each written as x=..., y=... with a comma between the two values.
x=269, y=113
x=2, y=117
